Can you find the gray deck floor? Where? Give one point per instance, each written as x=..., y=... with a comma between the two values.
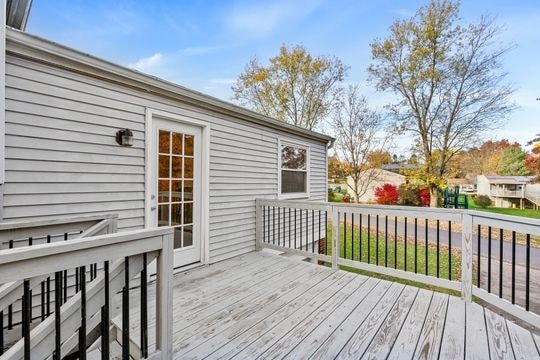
x=266, y=306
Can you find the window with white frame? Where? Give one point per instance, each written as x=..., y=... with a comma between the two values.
x=294, y=169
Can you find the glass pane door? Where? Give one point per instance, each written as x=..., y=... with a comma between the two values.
x=175, y=185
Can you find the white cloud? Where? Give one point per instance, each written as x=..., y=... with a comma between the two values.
x=261, y=19
x=147, y=63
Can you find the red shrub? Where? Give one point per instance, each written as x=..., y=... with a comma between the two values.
x=387, y=194
x=424, y=196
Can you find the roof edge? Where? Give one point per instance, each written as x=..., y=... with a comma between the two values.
x=26, y=45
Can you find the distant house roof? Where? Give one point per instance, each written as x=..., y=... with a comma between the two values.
x=458, y=181
x=399, y=167
x=496, y=179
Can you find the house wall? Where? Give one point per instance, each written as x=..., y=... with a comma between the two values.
x=483, y=186
x=381, y=178
x=62, y=158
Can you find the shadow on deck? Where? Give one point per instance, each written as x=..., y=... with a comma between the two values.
x=270, y=306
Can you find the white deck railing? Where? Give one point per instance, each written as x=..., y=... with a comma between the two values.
x=418, y=244
x=128, y=254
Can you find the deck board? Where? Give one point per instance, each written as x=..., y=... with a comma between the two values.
x=268, y=306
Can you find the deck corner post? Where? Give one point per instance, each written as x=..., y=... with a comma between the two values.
x=466, y=256
x=258, y=225
x=164, y=297
x=335, y=237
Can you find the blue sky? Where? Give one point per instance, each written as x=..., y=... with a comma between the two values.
x=204, y=45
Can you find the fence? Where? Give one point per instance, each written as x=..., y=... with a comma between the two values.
x=448, y=248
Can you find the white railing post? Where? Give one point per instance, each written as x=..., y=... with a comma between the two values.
x=164, y=298
x=466, y=256
x=258, y=225
x=335, y=237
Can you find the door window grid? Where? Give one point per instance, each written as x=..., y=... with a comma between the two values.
x=175, y=184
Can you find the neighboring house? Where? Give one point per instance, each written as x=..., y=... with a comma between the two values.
x=374, y=179
x=193, y=161
x=465, y=185
x=509, y=191
x=399, y=168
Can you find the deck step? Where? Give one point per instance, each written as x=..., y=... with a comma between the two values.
x=116, y=352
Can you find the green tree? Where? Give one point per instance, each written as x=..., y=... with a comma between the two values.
x=449, y=82
x=295, y=87
x=513, y=162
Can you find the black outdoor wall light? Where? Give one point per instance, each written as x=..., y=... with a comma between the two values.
x=124, y=137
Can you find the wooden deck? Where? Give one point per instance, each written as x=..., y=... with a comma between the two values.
x=266, y=306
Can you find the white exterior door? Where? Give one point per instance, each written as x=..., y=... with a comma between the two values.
x=175, y=197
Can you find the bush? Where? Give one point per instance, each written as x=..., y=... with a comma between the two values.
x=483, y=201
x=387, y=194
x=424, y=196
x=409, y=195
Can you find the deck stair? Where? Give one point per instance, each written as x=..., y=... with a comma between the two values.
x=43, y=334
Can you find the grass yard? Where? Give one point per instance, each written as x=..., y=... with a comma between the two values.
x=396, y=251
x=529, y=213
x=335, y=197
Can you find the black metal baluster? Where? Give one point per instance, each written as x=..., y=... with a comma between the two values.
x=42, y=294
x=344, y=235
x=10, y=307
x=264, y=223
x=369, y=238
x=501, y=240
x=326, y=231
x=360, y=237
x=415, y=245
x=48, y=286
x=1, y=332
x=300, y=229
x=427, y=245
x=125, y=311
x=438, y=245
x=405, y=245
x=279, y=226
x=489, y=259
x=30, y=306
x=352, y=236
x=82, y=329
x=273, y=225
x=450, y=250
x=386, y=241
x=144, y=309
x=26, y=317
x=377, y=240
x=320, y=238
x=77, y=278
x=105, y=321
x=290, y=227
x=57, y=355
x=307, y=230
x=295, y=229
x=395, y=242
x=65, y=277
x=513, y=267
x=313, y=231
x=284, y=227
x=527, y=271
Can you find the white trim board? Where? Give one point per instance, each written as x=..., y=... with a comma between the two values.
x=190, y=118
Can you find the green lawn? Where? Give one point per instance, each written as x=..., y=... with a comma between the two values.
x=535, y=214
x=348, y=250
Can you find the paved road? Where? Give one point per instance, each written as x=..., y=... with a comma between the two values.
x=455, y=237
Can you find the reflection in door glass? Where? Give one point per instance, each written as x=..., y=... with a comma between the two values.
x=175, y=193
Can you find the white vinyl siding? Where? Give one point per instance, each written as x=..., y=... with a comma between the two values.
x=62, y=158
